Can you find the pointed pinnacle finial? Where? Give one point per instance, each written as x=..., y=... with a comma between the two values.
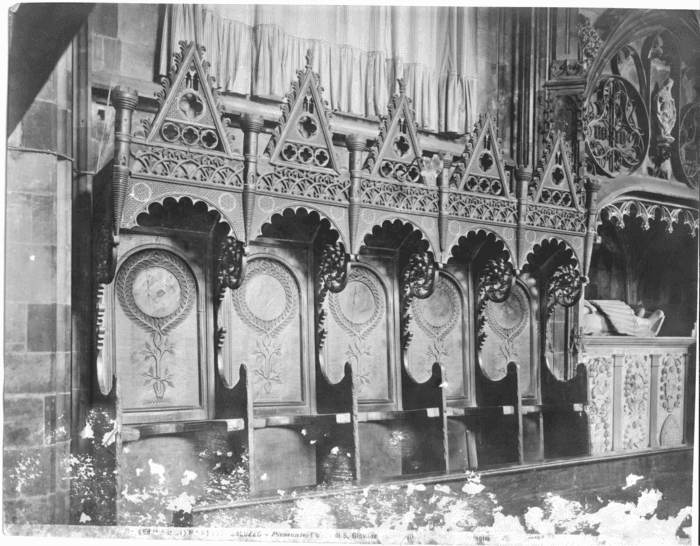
x=402, y=86
x=309, y=58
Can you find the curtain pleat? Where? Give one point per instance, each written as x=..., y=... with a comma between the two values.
x=359, y=52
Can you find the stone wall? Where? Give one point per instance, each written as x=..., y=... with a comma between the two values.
x=37, y=398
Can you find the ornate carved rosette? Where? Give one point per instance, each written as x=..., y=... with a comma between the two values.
x=417, y=281
x=333, y=274
x=616, y=126
x=565, y=286
x=230, y=265
x=671, y=383
x=496, y=280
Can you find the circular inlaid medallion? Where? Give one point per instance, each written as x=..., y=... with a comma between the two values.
x=156, y=292
x=437, y=309
x=357, y=302
x=227, y=202
x=141, y=192
x=265, y=297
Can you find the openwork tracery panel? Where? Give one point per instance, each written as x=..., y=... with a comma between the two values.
x=399, y=196
x=296, y=183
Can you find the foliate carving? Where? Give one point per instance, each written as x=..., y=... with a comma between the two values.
x=417, y=281
x=616, y=126
x=104, y=371
x=664, y=107
x=187, y=165
x=636, y=401
x=588, y=40
x=665, y=110
x=363, y=321
x=438, y=332
x=600, y=401
x=230, y=265
x=481, y=168
x=333, y=274
x=689, y=144
x=297, y=183
x=399, y=196
x=302, y=136
x=190, y=112
x=157, y=293
x=496, y=280
x=567, y=67
x=565, y=286
x=267, y=321
x=104, y=253
x=397, y=153
x=507, y=320
x=671, y=394
x=481, y=208
x=554, y=183
x=615, y=213
x=548, y=217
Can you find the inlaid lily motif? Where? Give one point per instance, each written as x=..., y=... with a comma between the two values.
x=267, y=373
x=509, y=352
x=357, y=350
x=155, y=375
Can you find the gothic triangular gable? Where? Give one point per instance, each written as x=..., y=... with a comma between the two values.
x=303, y=136
x=554, y=182
x=481, y=167
x=190, y=114
x=397, y=153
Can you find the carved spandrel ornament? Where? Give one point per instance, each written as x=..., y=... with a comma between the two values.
x=417, y=281
x=496, y=280
x=230, y=265
x=333, y=274
x=600, y=403
x=565, y=286
x=157, y=293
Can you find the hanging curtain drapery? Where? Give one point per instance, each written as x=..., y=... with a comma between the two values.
x=359, y=52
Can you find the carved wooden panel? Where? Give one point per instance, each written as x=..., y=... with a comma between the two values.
x=266, y=332
x=508, y=330
x=670, y=400
x=600, y=403
x=157, y=319
x=358, y=332
x=635, y=410
x=438, y=336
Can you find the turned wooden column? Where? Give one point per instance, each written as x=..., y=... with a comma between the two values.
x=592, y=187
x=443, y=188
x=356, y=145
x=124, y=101
x=252, y=125
x=523, y=174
